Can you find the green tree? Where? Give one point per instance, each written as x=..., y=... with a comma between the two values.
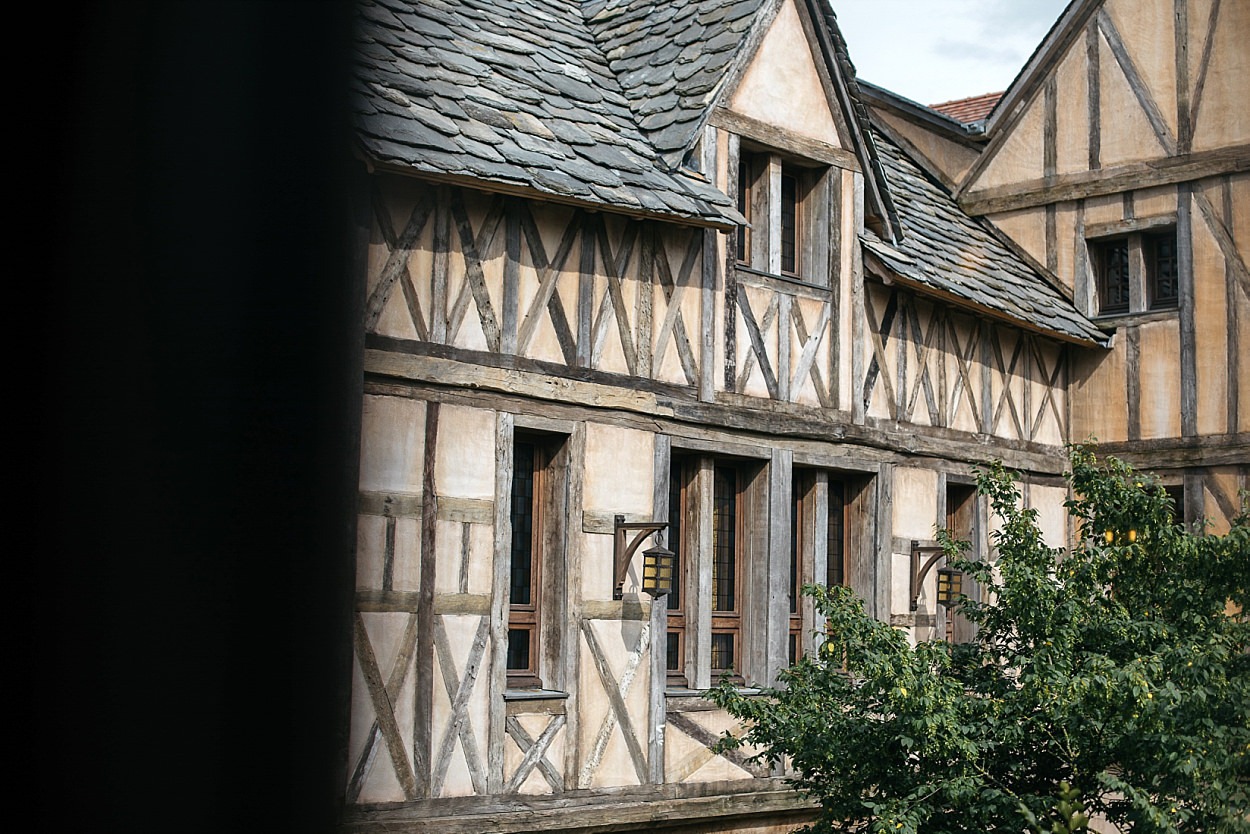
x=1112, y=678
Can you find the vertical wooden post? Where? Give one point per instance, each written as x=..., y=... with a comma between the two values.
x=940, y=523
x=882, y=576
x=815, y=566
x=423, y=691
x=699, y=604
x=1233, y=324
x=836, y=283
x=442, y=255
x=858, y=406
x=707, y=318
x=731, y=259
x=586, y=290
x=780, y=519
x=1050, y=149
x=1132, y=369
x=657, y=716
x=986, y=331
x=1185, y=267
x=573, y=556
x=511, y=276
x=1184, y=130
x=501, y=565
x=1094, y=96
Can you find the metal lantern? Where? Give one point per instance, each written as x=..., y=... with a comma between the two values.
x=659, y=569
x=949, y=586
x=659, y=563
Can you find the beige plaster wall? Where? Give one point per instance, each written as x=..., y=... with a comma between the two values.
x=784, y=62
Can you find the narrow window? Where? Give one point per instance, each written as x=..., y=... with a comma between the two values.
x=525, y=567
x=960, y=520
x=1176, y=493
x=835, y=566
x=1162, y=278
x=1112, y=265
x=675, y=649
x=726, y=572
x=744, y=208
x=789, y=222
x=795, y=646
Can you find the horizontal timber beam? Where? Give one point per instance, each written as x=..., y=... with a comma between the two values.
x=784, y=140
x=1075, y=186
x=1181, y=452
x=732, y=418
x=590, y=812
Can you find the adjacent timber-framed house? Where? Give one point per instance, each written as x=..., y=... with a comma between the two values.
x=669, y=263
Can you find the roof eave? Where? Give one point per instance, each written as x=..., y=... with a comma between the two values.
x=874, y=263
x=726, y=221
x=941, y=123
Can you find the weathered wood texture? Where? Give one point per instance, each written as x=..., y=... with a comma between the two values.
x=935, y=366
x=1156, y=84
x=587, y=290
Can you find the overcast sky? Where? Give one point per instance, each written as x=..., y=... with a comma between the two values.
x=932, y=51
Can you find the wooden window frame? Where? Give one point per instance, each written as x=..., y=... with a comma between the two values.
x=728, y=622
x=961, y=520
x=810, y=540
x=1146, y=253
x=1151, y=242
x=766, y=202
x=677, y=602
x=526, y=618
x=542, y=618
x=1102, y=253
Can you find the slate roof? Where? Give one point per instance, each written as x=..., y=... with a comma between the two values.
x=671, y=59
x=516, y=93
x=969, y=110
x=949, y=253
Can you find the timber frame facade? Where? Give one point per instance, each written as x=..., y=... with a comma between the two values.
x=671, y=262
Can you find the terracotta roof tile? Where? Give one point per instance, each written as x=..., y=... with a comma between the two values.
x=968, y=110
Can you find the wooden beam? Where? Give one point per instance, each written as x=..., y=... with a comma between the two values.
x=1132, y=370
x=423, y=692
x=621, y=809
x=731, y=258
x=780, y=522
x=1050, y=129
x=1184, y=129
x=1188, y=347
x=1094, y=95
x=857, y=314
x=707, y=318
x=500, y=569
x=784, y=140
x=1232, y=321
x=1182, y=452
x=1134, y=175
x=657, y=704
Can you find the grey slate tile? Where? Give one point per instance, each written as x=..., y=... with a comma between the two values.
x=944, y=248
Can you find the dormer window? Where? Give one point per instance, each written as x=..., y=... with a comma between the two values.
x=780, y=201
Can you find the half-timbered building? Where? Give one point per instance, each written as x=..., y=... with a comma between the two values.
x=671, y=264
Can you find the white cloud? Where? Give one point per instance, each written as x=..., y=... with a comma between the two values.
x=938, y=50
